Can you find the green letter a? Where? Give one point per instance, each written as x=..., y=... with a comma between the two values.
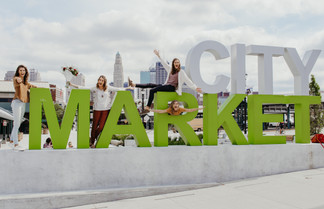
x=123, y=99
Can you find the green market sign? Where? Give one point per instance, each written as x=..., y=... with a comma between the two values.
x=79, y=102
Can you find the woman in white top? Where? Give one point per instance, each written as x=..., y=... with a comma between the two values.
x=101, y=106
x=174, y=81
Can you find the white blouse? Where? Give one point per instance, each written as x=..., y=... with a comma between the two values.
x=101, y=99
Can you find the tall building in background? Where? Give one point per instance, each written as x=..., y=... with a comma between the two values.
x=142, y=94
x=57, y=94
x=34, y=75
x=118, y=71
x=9, y=75
x=145, y=77
x=152, y=74
x=161, y=73
x=78, y=80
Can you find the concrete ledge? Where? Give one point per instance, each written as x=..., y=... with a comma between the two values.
x=46, y=171
x=70, y=199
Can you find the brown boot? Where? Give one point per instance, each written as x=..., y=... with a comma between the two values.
x=92, y=143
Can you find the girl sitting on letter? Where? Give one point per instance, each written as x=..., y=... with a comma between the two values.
x=175, y=109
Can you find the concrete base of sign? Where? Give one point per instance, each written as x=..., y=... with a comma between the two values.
x=86, y=197
x=46, y=171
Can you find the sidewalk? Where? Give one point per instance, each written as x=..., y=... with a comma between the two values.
x=297, y=190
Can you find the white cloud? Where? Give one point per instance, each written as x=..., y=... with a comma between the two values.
x=91, y=34
x=262, y=9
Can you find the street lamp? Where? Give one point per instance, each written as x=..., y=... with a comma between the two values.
x=143, y=92
x=248, y=91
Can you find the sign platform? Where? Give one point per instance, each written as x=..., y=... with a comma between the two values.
x=41, y=171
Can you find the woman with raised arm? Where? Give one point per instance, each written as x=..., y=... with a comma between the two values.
x=18, y=105
x=175, y=109
x=101, y=106
x=175, y=78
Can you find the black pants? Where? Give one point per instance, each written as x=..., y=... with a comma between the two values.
x=155, y=88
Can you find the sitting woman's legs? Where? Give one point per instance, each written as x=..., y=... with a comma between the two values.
x=167, y=88
x=147, y=85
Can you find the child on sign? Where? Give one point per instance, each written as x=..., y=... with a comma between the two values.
x=175, y=109
x=48, y=143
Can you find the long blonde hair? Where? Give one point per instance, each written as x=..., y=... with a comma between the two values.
x=105, y=82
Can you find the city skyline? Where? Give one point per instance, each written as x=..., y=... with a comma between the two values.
x=34, y=75
x=36, y=34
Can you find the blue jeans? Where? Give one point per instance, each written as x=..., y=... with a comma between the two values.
x=18, y=110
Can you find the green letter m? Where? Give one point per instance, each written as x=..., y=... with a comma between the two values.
x=79, y=100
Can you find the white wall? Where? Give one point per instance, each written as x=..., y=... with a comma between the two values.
x=34, y=171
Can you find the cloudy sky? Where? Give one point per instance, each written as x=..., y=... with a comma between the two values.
x=46, y=35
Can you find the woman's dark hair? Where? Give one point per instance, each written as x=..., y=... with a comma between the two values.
x=173, y=69
x=26, y=74
x=171, y=106
x=48, y=140
x=105, y=82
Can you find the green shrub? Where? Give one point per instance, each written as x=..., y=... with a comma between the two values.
x=120, y=136
x=200, y=137
x=176, y=141
x=130, y=136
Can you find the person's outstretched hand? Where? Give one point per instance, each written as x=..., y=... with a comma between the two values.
x=19, y=80
x=130, y=87
x=156, y=52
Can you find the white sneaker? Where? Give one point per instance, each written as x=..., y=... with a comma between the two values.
x=10, y=145
x=19, y=148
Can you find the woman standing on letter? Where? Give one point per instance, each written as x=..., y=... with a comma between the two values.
x=21, y=85
x=101, y=106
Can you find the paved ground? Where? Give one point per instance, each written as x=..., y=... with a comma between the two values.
x=298, y=190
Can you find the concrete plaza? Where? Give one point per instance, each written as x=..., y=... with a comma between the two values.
x=297, y=190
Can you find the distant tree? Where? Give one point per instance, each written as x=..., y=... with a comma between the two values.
x=59, y=111
x=316, y=111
